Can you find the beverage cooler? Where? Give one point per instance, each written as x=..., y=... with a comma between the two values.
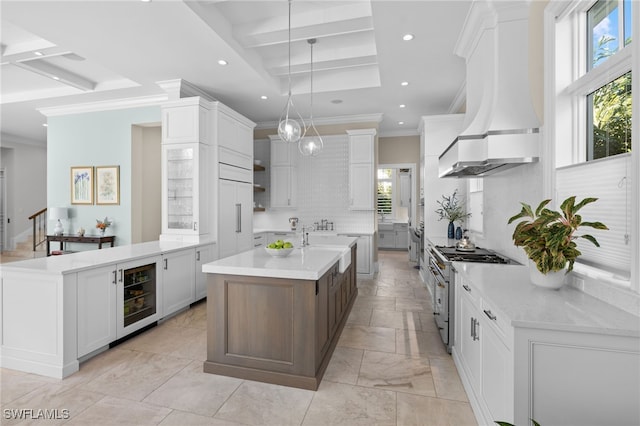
x=139, y=296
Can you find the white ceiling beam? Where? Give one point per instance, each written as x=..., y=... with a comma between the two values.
x=56, y=73
x=280, y=36
x=333, y=64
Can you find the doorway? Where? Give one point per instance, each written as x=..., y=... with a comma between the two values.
x=396, y=191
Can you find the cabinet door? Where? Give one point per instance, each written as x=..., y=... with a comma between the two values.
x=361, y=186
x=97, y=289
x=283, y=153
x=402, y=237
x=361, y=149
x=496, y=377
x=234, y=135
x=184, y=124
x=244, y=197
x=405, y=190
x=178, y=280
x=204, y=254
x=227, y=218
x=386, y=239
x=469, y=340
x=283, y=187
x=183, y=177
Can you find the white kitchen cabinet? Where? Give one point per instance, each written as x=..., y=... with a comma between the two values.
x=97, y=308
x=184, y=191
x=386, y=239
x=468, y=341
x=116, y=300
x=361, y=169
x=235, y=216
x=204, y=254
x=186, y=121
x=234, y=134
x=179, y=281
x=284, y=174
x=402, y=235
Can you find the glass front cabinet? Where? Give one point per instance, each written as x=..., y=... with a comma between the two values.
x=184, y=178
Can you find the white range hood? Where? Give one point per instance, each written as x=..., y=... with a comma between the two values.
x=501, y=128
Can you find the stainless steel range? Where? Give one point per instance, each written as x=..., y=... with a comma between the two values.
x=440, y=279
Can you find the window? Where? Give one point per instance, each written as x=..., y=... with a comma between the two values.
x=592, y=122
x=609, y=119
x=385, y=191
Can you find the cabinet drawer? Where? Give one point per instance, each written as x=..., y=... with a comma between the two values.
x=235, y=173
x=495, y=319
x=258, y=240
x=235, y=158
x=466, y=288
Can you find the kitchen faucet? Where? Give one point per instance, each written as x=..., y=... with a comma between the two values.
x=305, y=235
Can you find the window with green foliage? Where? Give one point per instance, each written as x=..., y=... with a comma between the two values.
x=385, y=192
x=609, y=27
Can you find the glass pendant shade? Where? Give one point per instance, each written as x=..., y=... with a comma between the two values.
x=311, y=145
x=289, y=129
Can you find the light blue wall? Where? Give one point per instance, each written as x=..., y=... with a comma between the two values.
x=93, y=139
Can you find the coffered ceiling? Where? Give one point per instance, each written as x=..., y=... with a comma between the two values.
x=58, y=53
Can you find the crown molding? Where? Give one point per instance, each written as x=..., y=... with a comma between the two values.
x=180, y=88
x=103, y=105
x=344, y=119
x=398, y=133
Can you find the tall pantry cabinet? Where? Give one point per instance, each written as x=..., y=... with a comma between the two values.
x=207, y=175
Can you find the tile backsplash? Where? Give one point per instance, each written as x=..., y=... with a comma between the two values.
x=323, y=190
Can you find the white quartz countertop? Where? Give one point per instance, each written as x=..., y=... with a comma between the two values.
x=509, y=289
x=74, y=262
x=306, y=263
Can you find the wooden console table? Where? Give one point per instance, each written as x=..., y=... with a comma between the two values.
x=87, y=239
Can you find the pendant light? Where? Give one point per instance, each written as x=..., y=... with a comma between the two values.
x=289, y=129
x=312, y=144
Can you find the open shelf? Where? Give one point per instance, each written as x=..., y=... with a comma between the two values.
x=258, y=209
x=258, y=168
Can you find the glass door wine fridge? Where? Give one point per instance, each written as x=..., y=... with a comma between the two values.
x=138, y=287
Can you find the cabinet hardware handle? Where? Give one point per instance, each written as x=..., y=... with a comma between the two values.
x=120, y=275
x=472, y=328
x=198, y=256
x=491, y=316
x=195, y=226
x=440, y=285
x=166, y=264
x=440, y=328
x=238, y=218
x=466, y=287
x=436, y=313
x=115, y=276
x=475, y=329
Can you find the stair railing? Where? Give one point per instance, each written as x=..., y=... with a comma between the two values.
x=39, y=221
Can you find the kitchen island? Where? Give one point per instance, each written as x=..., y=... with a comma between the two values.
x=278, y=320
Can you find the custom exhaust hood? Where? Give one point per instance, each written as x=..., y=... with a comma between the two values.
x=501, y=128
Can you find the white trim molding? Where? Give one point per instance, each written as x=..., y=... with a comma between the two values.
x=110, y=105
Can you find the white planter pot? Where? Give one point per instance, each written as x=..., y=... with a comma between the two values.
x=552, y=280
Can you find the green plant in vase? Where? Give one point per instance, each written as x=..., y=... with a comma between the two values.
x=452, y=210
x=548, y=237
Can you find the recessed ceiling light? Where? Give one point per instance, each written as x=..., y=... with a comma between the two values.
x=407, y=37
x=263, y=97
x=45, y=125
x=404, y=83
x=222, y=62
x=55, y=77
x=402, y=105
x=401, y=122
x=336, y=101
x=38, y=53
x=145, y=1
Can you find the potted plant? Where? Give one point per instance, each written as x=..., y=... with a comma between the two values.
x=102, y=225
x=452, y=210
x=548, y=237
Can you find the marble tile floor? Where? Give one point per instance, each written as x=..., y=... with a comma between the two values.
x=389, y=368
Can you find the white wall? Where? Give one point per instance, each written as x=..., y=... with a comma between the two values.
x=25, y=167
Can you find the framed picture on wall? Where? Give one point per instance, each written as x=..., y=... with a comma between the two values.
x=108, y=185
x=82, y=185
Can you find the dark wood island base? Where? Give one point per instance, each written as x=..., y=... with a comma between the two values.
x=277, y=330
